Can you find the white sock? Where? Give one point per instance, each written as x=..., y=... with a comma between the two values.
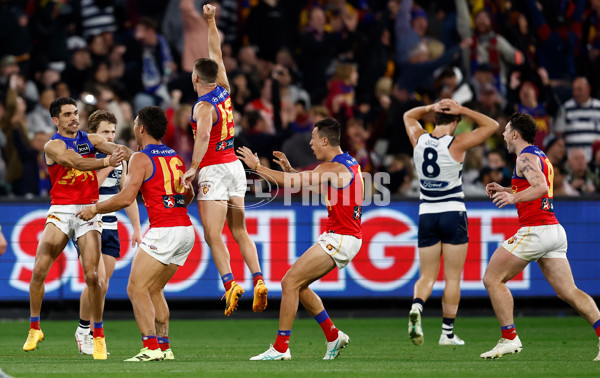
x=417, y=306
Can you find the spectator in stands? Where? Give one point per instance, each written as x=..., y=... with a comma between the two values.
x=340, y=99
x=267, y=28
x=14, y=33
x=38, y=118
x=561, y=187
x=78, y=67
x=555, y=150
x=580, y=176
x=492, y=48
x=577, y=122
x=449, y=83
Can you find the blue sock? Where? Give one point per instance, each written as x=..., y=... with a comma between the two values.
x=34, y=318
x=98, y=325
x=321, y=317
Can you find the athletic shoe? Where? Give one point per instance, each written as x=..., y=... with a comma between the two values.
x=33, y=338
x=598, y=356
x=504, y=346
x=445, y=340
x=232, y=296
x=147, y=355
x=85, y=342
x=168, y=354
x=260, y=297
x=99, y=348
x=335, y=347
x=414, y=327
x=272, y=355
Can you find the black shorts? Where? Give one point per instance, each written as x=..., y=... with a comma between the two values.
x=111, y=245
x=448, y=227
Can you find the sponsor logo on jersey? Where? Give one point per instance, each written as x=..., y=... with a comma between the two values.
x=225, y=145
x=357, y=212
x=83, y=149
x=548, y=204
x=173, y=201
x=163, y=152
x=432, y=184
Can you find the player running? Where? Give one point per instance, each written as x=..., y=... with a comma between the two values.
x=541, y=238
x=340, y=178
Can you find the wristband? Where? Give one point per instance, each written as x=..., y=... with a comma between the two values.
x=106, y=161
x=195, y=165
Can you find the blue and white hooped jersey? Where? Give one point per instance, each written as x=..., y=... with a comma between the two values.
x=110, y=187
x=440, y=176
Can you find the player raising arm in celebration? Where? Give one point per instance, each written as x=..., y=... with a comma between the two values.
x=541, y=237
x=340, y=178
x=157, y=172
x=439, y=160
x=221, y=179
x=111, y=181
x=72, y=164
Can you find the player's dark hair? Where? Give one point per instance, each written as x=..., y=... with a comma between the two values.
x=97, y=117
x=57, y=105
x=525, y=126
x=331, y=129
x=154, y=120
x=206, y=69
x=446, y=119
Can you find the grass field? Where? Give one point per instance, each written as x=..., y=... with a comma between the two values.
x=552, y=346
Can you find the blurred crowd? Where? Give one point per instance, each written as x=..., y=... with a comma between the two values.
x=291, y=63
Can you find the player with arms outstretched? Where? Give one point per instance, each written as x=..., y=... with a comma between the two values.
x=541, y=237
x=221, y=177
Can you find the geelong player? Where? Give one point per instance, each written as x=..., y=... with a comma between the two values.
x=340, y=178
x=438, y=160
x=222, y=181
x=72, y=164
x=157, y=172
x=104, y=123
x=541, y=238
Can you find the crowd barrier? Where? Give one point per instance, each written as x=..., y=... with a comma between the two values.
x=387, y=265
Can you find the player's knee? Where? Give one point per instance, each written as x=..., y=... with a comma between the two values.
x=91, y=279
x=212, y=237
x=489, y=280
x=288, y=283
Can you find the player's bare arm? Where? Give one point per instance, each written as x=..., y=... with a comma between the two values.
x=140, y=169
x=324, y=173
x=214, y=44
x=203, y=114
x=57, y=152
x=412, y=125
x=283, y=162
x=109, y=148
x=529, y=166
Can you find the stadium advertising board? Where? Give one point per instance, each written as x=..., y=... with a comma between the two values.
x=386, y=266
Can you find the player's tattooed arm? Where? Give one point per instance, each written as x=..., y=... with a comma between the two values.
x=530, y=167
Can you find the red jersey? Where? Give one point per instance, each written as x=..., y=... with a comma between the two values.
x=220, y=146
x=539, y=211
x=163, y=192
x=69, y=185
x=344, y=205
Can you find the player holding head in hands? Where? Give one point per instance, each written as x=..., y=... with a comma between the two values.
x=111, y=180
x=340, y=178
x=221, y=177
x=72, y=165
x=439, y=160
x=156, y=171
x=541, y=237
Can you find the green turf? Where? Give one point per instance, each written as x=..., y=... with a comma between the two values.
x=379, y=347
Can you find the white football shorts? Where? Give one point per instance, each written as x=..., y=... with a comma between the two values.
x=63, y=217
x=169, y=245
x=531, y=243
x=342, y=248
x=221, y=182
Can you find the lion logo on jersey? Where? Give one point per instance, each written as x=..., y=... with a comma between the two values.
x=205, y=187
x=329, y=247
x=72, y=174
x=511, y=240
x=514, y=188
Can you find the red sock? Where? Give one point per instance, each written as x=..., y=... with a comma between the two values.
x=256, y=278
x=150, y=342
x=34, y=325
x=99, y=332
x=163, y=343
x=282, y=341
x=330, y=331
x=598, y=331
x=228, y=284
x=509, y=333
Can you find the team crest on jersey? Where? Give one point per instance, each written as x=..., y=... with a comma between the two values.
x=83, y=149
x=548, y=204
x=205, y=187
x=329, y=247
x=357, y=212
x=514, y=188
x=511, y=240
